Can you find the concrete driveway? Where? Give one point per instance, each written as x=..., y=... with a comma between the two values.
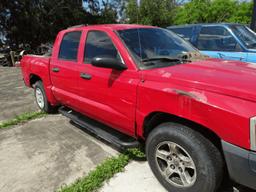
x=15, y=98
x=138, y=177
x=44, y=154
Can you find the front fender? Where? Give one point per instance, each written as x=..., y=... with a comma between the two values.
x=226, y=116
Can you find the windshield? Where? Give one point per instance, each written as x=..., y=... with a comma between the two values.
x=246, y=35
x=152, y=44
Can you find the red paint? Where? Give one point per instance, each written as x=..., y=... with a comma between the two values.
x=217, y=94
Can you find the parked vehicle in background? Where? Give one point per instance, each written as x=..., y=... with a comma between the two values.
x=222, y=40
x=195, y=114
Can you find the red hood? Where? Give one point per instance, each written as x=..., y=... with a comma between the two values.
x=231, y=78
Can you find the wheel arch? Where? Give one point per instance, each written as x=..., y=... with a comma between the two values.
x=154, y=119
x=33, y=78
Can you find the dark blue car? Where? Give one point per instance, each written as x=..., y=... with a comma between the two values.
x=222, y=40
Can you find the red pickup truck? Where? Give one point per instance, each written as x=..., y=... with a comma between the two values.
x=130, y=84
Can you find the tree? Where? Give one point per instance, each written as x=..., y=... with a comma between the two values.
x=243, y=13
x=193, y=12
x=119, y=6
x=214, y=11
x=151, y=12
x=222, y=10
x=108, y=14
x=38, y=21
x=253, y=21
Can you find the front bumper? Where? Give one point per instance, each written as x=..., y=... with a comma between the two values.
x=241, y=164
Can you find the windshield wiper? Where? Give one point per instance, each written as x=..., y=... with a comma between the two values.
x=190, y=56
x=172, y=59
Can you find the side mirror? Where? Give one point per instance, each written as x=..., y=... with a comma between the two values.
x=106, y=62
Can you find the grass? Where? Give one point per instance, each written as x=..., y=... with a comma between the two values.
x=22, y=119
x=103, y=172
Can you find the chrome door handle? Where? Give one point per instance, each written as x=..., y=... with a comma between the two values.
x=85, y=76
x=55, y=69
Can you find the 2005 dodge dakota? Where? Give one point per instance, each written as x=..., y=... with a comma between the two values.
x=131, y=83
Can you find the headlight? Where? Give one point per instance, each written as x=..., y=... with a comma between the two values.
x=253, y=133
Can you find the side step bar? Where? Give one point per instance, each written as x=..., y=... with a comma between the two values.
x=100, y=130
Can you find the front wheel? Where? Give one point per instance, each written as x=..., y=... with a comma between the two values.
x=183, y=160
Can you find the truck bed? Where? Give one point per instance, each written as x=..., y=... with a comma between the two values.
x=35, y=64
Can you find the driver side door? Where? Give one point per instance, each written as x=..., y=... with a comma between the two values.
x=107, y=95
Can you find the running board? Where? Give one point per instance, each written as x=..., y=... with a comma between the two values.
x=100, y=130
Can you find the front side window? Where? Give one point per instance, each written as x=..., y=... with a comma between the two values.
x=69, y=46
x=216, y=38
x=246, y=35
x=98, y=44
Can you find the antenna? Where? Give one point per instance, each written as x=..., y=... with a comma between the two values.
x=137, y=12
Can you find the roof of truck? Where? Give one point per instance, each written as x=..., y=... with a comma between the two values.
x=112, y=26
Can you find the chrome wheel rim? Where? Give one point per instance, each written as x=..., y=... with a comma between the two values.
x=175, y=164
x=39, y=98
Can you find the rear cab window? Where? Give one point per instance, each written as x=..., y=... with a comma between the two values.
x=69, y=46
x=99, y=44
x=184, y=32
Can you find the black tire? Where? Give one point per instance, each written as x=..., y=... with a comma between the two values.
x=207, y=159
x=46, y=107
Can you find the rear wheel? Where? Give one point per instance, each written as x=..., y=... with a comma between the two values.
x=183, y=160
x=41, y=98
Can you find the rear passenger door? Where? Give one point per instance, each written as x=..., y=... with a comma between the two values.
x=63, y=68
x=218, y=42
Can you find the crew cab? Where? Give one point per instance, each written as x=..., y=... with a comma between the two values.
x=133, y=84
x=221, y=40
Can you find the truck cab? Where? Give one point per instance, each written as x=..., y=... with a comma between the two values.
x=223, y=40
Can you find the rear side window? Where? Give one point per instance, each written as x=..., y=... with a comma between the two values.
x=98, y=44
x=217, y=38
x=184, y=32
x=69, y=46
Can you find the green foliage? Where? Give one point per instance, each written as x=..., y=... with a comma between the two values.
x=151, y=12
x=243, y=14
x=108, y=13
x=38, y=21
x=95, y=178
x=21, y=119
x=103, y=172
x=132, y=12
x=187, y=13
x=214, y=11
x=135, y=153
